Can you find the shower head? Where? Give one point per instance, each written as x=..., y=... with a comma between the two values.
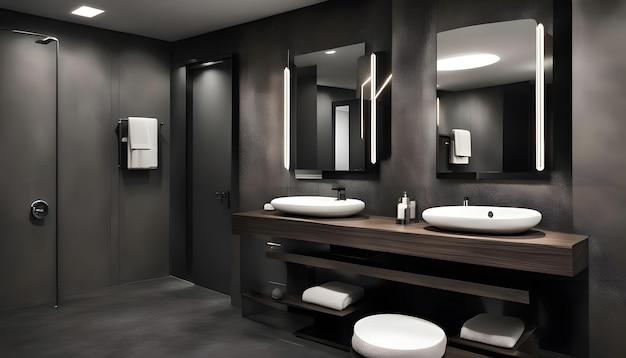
x=46, y=40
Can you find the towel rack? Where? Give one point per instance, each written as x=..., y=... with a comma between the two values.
x=119, y=121
x=122, y=135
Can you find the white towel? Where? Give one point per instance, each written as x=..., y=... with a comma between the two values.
x=335, y=295
x=496, y=330
x=143, y=139
x=462, y=142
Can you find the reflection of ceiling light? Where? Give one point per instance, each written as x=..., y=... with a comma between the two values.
x=87, y=11
x=330, y=52
x=210, y=63
x=466, y=62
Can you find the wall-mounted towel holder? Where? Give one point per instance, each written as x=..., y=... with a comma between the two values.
x=122, y=141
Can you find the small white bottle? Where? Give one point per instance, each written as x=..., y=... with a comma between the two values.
x=403, y=213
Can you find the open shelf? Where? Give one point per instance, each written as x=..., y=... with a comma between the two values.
x=331, y=327
x=442, y=283
x=527, y=346
x=333, y=336
x=290, y=300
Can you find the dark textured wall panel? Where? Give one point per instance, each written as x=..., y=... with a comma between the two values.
x=84, y=164
x=144, y=90
x=599, y=165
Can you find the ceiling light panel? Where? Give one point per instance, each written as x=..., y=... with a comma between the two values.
x=87, y=11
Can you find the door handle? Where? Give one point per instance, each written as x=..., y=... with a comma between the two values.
x=223, y=195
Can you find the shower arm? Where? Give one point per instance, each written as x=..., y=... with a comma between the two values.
x=46, y=38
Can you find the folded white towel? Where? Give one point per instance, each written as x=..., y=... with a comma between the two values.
x=335, y=295
x=143, y=139
x=496, y=330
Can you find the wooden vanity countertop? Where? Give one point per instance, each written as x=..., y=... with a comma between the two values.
x=536, y=250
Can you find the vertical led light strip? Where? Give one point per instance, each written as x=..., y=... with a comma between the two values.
x=437, y=114
x=539, y=100
x=286, y=117
x=373, y=134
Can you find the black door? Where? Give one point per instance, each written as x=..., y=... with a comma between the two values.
x=211, y=156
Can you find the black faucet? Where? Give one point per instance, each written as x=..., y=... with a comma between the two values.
x=341, y=192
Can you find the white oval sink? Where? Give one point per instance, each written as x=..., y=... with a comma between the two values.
x=319, y=206
x=482, y=219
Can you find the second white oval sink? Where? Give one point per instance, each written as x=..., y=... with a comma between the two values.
x=482, y=219
x=319, y=206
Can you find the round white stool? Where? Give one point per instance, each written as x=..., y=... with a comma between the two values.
x=398, y=336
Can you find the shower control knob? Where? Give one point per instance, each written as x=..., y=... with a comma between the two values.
x=39, y=209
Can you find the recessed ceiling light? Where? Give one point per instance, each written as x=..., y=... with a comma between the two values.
x=466, y=62
x=87, y=11
x=330, y=52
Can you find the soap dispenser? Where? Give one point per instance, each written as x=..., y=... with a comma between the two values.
x=413, y=210
x=403, y=215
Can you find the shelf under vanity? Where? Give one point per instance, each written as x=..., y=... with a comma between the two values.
x=416, y=254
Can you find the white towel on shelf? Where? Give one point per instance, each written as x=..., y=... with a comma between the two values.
x=143, y=143
x=335, y=295
x=495, y=330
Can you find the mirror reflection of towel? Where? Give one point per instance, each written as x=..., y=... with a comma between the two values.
x=143, y=142
x=462, y=142
x=460, y=146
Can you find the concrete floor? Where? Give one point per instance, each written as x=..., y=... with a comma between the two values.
x=164, y=317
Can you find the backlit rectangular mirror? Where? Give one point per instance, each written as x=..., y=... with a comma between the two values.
x=327, y=109
x=490, y=114
x=342, y=103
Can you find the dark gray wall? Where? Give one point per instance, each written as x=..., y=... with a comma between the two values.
x=113, y=226
x=599, y=188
